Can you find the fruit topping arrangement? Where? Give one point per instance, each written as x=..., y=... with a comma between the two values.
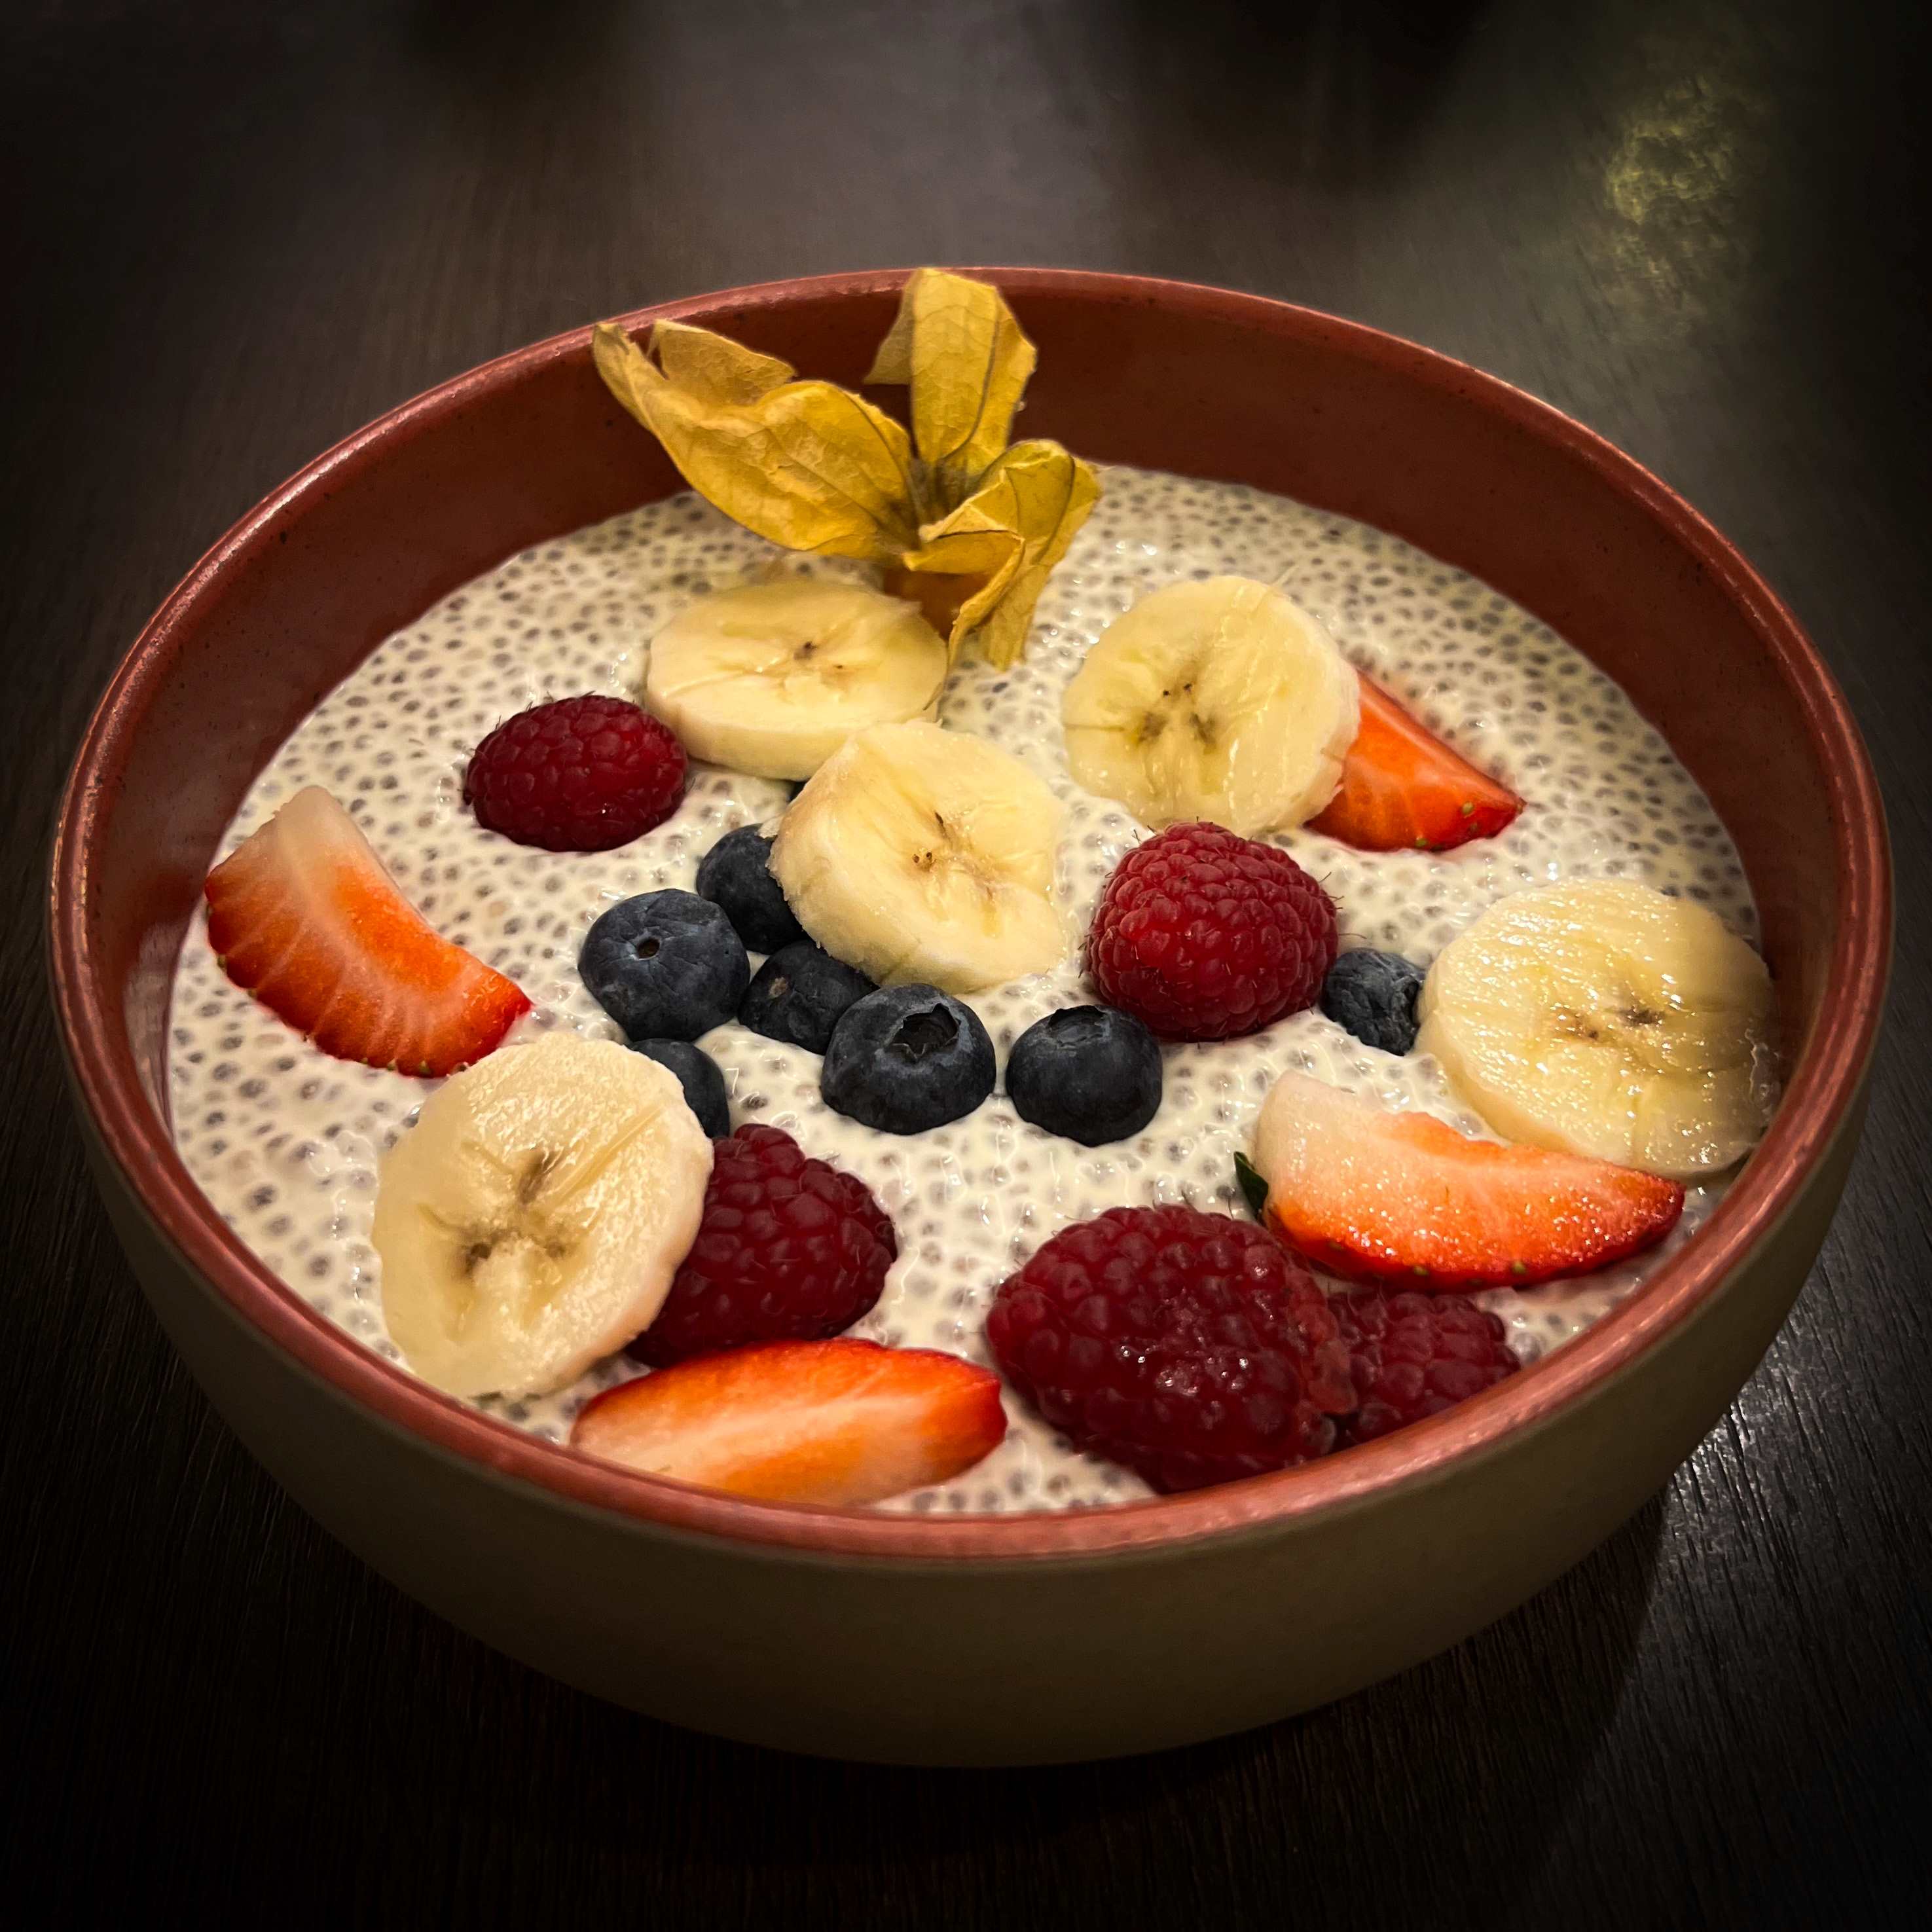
x=915, y=853
x=1602, y=1018
x=1373, y=995
x=583, y=775
x=1412, y=1356
x=1090, y=1074
x=907, y=1058
x=800, y=994
x=736, y=875
x=840, y=1422
x=1201, y=935
x=1193, y=1348
x=1402, y=788
x=562, y=1201
x=304, y=916
x=952, y=510
x=772, y=678
x=665, y=965
x=788, y=1249
x=1375, y=1195
x=700, y=1076
x=532, y=1221
x=1221, y=701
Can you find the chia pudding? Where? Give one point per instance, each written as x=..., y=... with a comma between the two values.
x=286, y=1141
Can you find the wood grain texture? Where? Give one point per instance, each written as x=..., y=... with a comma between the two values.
x=237, y=230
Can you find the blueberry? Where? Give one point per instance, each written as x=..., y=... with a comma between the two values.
x=665, y=966
x=906, y=1059
x=1088, y=1072
x=698, y=1073
x=736, y=875
x=798, y=994
x=1373, y=995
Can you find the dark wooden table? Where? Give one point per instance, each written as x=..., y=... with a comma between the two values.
x=236, y=229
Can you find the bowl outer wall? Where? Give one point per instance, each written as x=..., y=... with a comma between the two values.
x=998, y=1661
x=1132, y=371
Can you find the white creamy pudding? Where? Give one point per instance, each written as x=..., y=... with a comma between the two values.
x=285, y=1140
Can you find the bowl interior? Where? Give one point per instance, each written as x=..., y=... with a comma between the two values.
x=1152, y=374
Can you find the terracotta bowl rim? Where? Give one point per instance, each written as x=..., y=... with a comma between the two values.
x=1824, y=1087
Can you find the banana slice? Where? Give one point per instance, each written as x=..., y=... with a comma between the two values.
x=531, y=1221
x=1223, y=700
x=772, y=678
x=924, y=855
x=1600, y=1017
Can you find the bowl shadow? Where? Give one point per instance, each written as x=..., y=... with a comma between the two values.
x=1307, y=1810
x=1261, y=1814
x=1539, y=1689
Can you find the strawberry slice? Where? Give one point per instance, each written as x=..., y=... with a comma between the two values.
x=842, y=1421
x=306, y=917
x=1378, y=1196
x=1402, y=788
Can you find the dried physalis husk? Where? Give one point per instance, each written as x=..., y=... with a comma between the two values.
x=815, y=468
x=808, y=465
x=1011, y=531
x=956, y=347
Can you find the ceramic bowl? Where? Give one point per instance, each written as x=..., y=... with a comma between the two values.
x=989, y=1639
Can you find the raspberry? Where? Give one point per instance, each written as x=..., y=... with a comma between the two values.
x=581, y=775
x=1202, y=935
x=1414, y=1355
x=788, y=1249
x=1193, y=1348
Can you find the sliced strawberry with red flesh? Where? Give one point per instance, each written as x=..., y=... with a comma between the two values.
x=1402, y=788
x=306, y=917
x=1378, y=1196
x=840, y=1422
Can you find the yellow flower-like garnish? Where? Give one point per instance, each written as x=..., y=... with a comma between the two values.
x=816, y=468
